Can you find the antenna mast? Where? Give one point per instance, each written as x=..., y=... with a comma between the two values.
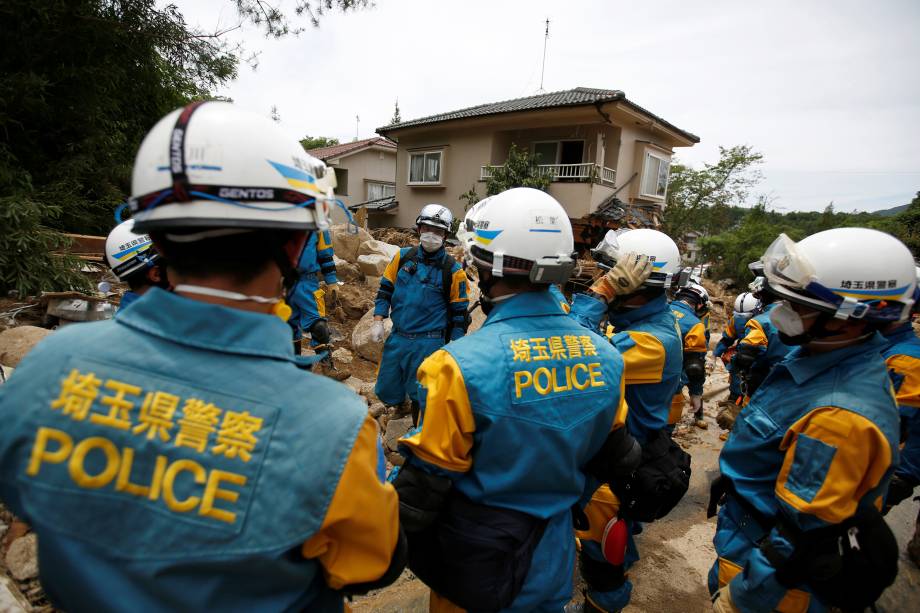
x=357, y=126
x=543, y=68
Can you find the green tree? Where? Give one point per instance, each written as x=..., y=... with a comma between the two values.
x=519, y=170
x=397, y=118
x=281, y=20
x=315, y=142
x=702, y=199
x=906, y=226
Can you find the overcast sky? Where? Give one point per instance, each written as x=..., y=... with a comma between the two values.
x=827, y=90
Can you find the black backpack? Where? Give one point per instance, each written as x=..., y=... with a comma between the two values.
x=447, y=267
x=659, y=483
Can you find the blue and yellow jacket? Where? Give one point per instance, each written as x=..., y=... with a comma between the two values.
x=512, y=413
x=902, y=356
x=733, y=332
x=317, y=257
x=759, y=332
x=412, y=296
x=693, y=334
x=160, y=458
x=649, y=339
x=818, y=439
x=127, y=300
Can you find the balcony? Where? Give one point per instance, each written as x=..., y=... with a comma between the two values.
x=589, y=172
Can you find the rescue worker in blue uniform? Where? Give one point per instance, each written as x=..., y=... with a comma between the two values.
x=307, y=300
x=135, y=261
x=491, y=529
x=806, y=467
x=644, y=330
x=746, y=306
x=689, y=303
x=424, y=292
x=761, y=347
x=160, y=457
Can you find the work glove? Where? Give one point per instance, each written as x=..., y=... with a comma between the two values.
x=377, y=331
x=722, y=602
x=630, y=272
x=899, y=489
x=332, y=290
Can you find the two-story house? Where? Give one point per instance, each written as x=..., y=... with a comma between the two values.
x=365, y=171
x=598, y=147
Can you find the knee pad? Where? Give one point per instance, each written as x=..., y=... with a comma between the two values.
x=319, y=331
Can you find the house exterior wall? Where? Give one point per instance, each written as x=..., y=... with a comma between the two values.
x=363, y=166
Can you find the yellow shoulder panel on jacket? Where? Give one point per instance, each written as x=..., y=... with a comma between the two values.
x=392, y=269
x=695, y=341
x=446, y=435
x=754, y=334
x=458, y=286
x=908, y=393
x=855, y=452
x=354, y=545
x=644, y=360
x=729, y=331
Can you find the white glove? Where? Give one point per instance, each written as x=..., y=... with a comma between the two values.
x=377, y=331
x=630, y=272
x=723, y=603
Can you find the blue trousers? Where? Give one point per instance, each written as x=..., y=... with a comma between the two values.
x=396, y=377
x=305, y=309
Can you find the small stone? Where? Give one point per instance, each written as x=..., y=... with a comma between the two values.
x=395, y=459
x=396, y=429
x=343, y=355
x=354, y=383
x=377, y=409
x=22, y=557
x=11, y=599
x=367, y=389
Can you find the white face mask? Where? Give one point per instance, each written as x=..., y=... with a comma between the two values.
x=787, y=320
x=430, y=241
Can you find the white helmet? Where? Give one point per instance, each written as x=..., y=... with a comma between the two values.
x=746, y=303
x=521, y=231
x=127, y=252
x=695, y=292
x=854, y=273
x=435, y=215
x=211, y=164
x=658, y=246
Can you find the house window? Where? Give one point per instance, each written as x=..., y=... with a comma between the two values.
x=376, y=191
x=425, y=168
x=655, y=176
x=559, y=152
x=341, y=181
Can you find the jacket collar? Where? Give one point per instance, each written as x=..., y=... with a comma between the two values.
x=804, y=366
x=683, y=306
x=213, y=327
x=621, y=320
x=525, y=304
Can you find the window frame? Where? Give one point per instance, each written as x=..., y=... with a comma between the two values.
x=424, y=153
x=558, y=142
x=662, y=158
x=341, y=187
x=369, y=182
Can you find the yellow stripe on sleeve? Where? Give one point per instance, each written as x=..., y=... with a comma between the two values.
x=729, y=331
x=619, y=419
x=858, y=454
x=358, y=535
x=324, y=241
x=458, y=286
x=392, y=269
x=754, y=334
x=695, y=341
x=644, y=360
x=908, y=394
x=446, y=436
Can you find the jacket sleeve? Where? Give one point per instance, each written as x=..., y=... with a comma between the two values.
x=588, y=311
x=833, y=458
x=643, y=355
x=444, y=440
x=754, y=336
x=695, y=339
x=387, y=286
x=324, y=257
x=728, y=338
x=904, y=371
x=459, y=302
x=359, y=533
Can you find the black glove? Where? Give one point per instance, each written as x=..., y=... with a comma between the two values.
x=899, y=489
x=617, y=458
x=421, y=496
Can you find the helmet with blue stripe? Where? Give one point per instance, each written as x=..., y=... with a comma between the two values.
x=127, y=252
x=658, y=246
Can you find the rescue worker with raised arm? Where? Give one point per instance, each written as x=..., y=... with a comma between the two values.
x=515, y=417
x=307, y=300
x=746, y=306
x=805, y=471
x=631, y=296
x=180, y=457
x=760, y=347
x=424, y=292
x=689, y=303
x=134, y=260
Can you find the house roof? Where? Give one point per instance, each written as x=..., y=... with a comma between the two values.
x=580, y=96
x=334, y=151
x=381, y=204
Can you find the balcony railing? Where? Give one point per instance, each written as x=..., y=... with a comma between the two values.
x=564, y=172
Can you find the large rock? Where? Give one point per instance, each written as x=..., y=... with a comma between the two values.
x=361, y=338
x=346, y=271
x=345, y=244
x=396, y=429
x=355, y=300
x=22, y=557
x=15, y=343
x=373, y=264
x=477, y=317
x=11, y=599
x=374, y=247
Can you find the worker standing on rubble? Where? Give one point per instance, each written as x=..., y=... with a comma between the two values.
x=488, y=517
x=424, y=292
x=643, y=328
x=135, y=261
x=809, y=460
x=690, y=302
x=746, y=306
x=307, y=300
x=180, y=457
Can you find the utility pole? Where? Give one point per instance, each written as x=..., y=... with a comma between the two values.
x=357, y=126
x=543, y=68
